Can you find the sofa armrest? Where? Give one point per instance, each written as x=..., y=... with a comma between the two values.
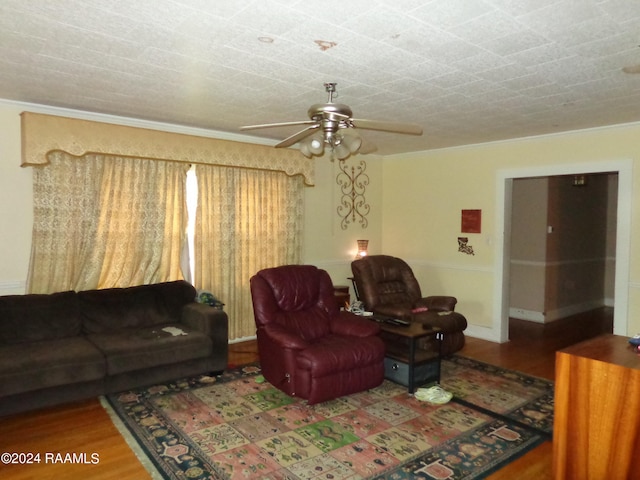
x=212, y=322
x=206, y=319
x=347, y=323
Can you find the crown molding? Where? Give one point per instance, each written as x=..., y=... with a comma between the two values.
x=235, y=137
x=422, y=153
x=135, y=122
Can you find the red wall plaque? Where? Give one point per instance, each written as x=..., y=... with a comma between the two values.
x=471, y=221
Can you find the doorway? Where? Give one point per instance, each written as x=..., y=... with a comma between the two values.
x=562, y=260
x=504, y=196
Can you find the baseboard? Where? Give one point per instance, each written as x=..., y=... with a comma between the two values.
x=553, y=315
x=242, y=339
x=482, y=333
x=16, y=287
x=570, y=310
x=529, y=315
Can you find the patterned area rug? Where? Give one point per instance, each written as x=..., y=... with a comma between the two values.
x=235, y=427
x=507, y=393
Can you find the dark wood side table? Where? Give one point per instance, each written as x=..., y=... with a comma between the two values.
x=355, y=287
x=596, y=431
x=343, y=298
x=405, y=363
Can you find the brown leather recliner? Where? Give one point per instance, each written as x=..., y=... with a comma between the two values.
x=387, y=286
x=309, y=348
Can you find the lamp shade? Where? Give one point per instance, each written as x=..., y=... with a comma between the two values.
x=363, y=246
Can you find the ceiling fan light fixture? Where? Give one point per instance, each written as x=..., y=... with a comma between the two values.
x=313, y=145
x=316, y=145
x=352, y=142
x=341, y=151
x=327, y=119
x=305, y=150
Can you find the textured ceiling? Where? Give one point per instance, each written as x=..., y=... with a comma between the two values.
x=468, y=71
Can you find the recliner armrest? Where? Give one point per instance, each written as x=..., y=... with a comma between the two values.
x=438, y=303
x=283, y=338
x=347, y=323
x=448, y=322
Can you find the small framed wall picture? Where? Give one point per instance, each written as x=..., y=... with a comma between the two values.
x=471, y=221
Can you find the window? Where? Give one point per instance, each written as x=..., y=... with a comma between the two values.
x=104, y=221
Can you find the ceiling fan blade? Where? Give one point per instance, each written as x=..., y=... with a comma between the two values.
x=407, y=128
x=283, y=124
x=295, y=138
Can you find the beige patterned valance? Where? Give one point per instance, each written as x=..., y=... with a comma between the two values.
x=42, y=134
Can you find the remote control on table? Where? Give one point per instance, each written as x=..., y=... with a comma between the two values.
x=398, y=321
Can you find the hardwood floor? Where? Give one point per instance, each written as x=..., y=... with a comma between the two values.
x=79, y=427
x=531, y=350
x=85, y=428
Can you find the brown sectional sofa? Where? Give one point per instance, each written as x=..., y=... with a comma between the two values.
x=72, y=345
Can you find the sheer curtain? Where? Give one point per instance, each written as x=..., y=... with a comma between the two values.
x=104, y=221
x=246, y=220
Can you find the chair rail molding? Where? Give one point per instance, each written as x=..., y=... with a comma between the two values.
x=451, y=266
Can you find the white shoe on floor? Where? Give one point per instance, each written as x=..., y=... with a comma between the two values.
x=435, y=395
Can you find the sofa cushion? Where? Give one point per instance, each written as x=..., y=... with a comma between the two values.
x=37, y=365
x=146, y=347
x=112, y=309
x=35, y=317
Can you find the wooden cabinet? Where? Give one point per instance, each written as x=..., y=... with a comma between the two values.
x=597, y=411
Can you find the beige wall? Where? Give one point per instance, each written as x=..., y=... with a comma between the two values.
x=577, y=247
x=528, y=248
x=326, y=244
x=16, y=207
x=415, y=202
x=425, y=192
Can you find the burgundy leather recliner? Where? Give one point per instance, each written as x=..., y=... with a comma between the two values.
x=387, y=286
x=309, y=348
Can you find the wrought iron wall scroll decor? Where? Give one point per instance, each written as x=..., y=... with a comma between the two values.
x=353, y=182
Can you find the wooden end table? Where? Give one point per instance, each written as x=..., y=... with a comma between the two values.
x=596, y=429
x=404, y=361
x=343, y=298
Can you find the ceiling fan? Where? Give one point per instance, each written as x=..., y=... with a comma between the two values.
x=329, y=123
